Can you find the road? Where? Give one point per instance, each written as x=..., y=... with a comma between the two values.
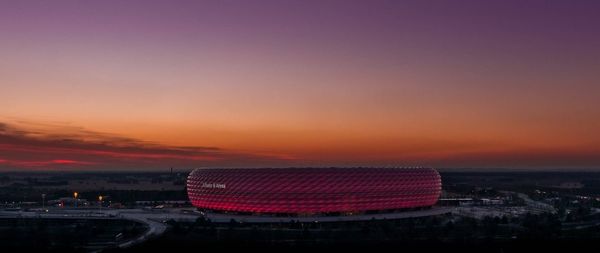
x=223, y=218
x=151, y=218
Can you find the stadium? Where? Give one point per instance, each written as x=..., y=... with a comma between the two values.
x=313, y=191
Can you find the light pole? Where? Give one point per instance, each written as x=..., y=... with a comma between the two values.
x=75, y=194
x=43, y=202
x=100, y=201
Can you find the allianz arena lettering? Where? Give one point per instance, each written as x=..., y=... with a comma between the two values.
x=213, y=185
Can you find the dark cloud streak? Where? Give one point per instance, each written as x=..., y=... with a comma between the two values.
x=80, y=149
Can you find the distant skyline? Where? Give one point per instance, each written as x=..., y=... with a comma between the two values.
x=135, y=85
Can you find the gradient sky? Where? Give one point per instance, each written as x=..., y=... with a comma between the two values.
x=154, y=84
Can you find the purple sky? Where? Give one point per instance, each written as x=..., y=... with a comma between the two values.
x=442, y=83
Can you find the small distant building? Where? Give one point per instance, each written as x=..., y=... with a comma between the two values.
x=570, y=185
x=165, y=203
x=492, y=202
x=116, y=205
x=69, y=201
x=456, y=201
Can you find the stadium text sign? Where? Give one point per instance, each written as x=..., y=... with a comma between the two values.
x=213, y=185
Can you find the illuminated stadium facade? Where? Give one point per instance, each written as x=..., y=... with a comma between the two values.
x=313, y=190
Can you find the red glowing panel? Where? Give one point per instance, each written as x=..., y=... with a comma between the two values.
x=313, y=190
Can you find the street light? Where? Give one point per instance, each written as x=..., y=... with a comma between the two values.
x=75, y=194
x=100, y=201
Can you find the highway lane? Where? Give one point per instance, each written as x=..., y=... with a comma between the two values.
x=223, y=218
x=154, y=220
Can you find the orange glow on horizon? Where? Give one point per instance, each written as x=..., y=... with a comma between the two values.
x=153, y=85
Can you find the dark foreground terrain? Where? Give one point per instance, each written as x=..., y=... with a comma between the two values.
x=434, y=233
x=64, y=235
x=499, y=212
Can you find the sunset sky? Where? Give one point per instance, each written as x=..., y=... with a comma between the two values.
x=149, y=85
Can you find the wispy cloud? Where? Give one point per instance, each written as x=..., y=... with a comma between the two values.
x=41, y=164
x=26, y=145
